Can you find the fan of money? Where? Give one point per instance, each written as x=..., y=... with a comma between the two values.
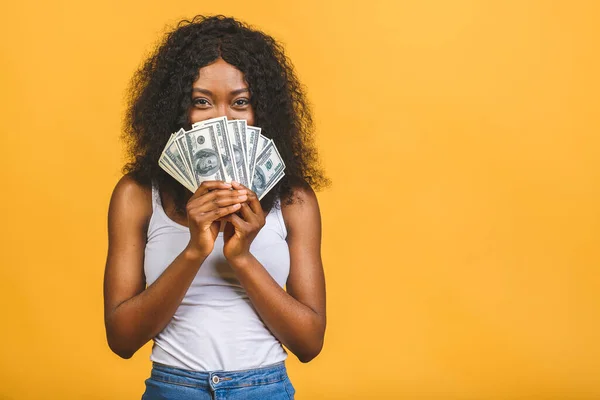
x=219, y=149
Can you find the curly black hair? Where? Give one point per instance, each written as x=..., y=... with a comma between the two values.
x=160, y=96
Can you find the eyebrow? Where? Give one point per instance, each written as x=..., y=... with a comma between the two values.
x=209, y=93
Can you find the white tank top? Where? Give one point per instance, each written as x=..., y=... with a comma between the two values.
x=215, y=327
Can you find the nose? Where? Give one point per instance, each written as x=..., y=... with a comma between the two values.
x=223, y=110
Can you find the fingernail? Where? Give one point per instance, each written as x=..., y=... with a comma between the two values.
x=242, y=191
x=244, y=197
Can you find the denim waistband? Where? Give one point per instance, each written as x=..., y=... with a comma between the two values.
x=220, y=379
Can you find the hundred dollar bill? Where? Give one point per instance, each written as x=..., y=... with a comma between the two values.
x=205, y=158
x=262, y=143
x=235, y=138
x=275, y=181
x=269, y=165
x=175, y=160
x=243, y=124
x=183, y=152
x=225, y=149
x=252, y=137
x=172, y=170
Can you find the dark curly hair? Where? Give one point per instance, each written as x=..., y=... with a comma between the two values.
x=160, y=96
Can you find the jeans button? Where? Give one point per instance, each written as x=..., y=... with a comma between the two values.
x=215, y=379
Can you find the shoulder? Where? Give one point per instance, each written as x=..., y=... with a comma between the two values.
x=129, y=190
x=301, y=207
x=131, y=200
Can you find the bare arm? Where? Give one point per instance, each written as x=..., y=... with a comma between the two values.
x=133, y=314
x=296, y=317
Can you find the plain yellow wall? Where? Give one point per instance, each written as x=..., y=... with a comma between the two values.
x=461, y=234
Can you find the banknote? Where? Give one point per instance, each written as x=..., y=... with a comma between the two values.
x=269, y=165
x=243, y=125
x=252, y=137
x=225, y=148
x=239, y=156
x=173, y=158
x=275, y=182
x=184, y=153
x=262, y=143
x=202, y=143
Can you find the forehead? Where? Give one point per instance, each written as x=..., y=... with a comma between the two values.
x=220, y=74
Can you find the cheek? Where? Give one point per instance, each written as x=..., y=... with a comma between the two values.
x=247, y=114
x=250, y=117
x=196, y=115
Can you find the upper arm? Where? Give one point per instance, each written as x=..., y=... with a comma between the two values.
x=306, y=281
x=128, y=215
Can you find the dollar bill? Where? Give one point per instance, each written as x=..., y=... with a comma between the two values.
x=235, y=138
x=275, y=181
x=184, y=153
x=172, y=169
x=252, y=137
x=202, y=144
x=262, y=143
x=269, y=165
x=225, y=149
x=243, y=124
x=172, y=157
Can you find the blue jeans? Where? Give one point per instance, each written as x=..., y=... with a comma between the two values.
x=170, y=383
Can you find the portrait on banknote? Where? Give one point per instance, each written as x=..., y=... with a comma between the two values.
x=207, y=162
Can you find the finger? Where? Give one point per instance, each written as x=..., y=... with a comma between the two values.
x=223, y=198
x=238, y=186
x=214, y=227
x=254, y=203
x=247, y=213
x=236, y=221
x=207, y=186
x=219, y=203
x=252, y=197
x=201, y=218
x=222, y=212
x=218, y=198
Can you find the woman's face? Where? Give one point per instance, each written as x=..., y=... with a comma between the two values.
x=220, y=90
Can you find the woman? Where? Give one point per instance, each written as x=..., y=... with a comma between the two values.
x=202, y=274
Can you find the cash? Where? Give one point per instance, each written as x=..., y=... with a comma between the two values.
x=225, y=150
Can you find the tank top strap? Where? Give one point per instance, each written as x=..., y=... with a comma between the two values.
x=279, y=216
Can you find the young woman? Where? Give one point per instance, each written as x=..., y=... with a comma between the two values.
x=202, y=274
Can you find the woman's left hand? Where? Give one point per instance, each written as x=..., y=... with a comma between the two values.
x=241, y=229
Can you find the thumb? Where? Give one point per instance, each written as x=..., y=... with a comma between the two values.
x=215, y=227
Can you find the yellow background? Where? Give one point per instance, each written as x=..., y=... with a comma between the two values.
x=461, y=233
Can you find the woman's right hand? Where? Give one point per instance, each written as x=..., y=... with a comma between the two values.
x=211, y=201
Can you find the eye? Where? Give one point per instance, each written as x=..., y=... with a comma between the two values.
x=241, y=102
x=200, y=102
